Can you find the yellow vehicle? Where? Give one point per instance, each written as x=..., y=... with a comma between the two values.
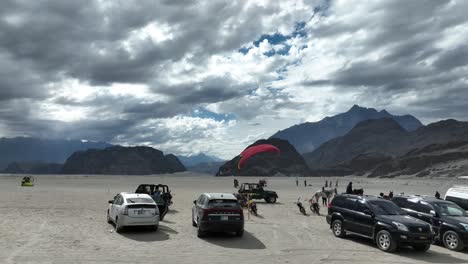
x=27, y=181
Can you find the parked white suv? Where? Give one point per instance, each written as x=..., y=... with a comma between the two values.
x=133, y=209
x=459, y=195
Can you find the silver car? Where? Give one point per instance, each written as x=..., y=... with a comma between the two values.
x=133, y=209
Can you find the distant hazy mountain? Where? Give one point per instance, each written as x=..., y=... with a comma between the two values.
x=122, y=161
x=33, y=168
x=206, y=167
x=194, y=160
x=308, y=136
x=24, y=149
x=377, y=141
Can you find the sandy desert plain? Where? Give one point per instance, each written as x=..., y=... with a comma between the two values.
x=63, y=220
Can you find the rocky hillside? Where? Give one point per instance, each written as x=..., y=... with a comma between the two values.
x=33, y=168
x=384, y=143
x=308, y=136
x=25, y=149
x=206, y=167
x=288, y=162
x=122, y=161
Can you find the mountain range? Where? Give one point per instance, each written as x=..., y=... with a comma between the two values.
x=308, y=136
x=193, y=160
x=26, y=149
x=374, y=142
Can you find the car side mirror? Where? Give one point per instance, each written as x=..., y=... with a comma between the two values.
x=194, y=201
x=368, y=212
x=111, y=201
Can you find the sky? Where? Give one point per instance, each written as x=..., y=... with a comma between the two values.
x=214, y=76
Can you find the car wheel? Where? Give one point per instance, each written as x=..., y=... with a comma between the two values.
x=240, y=233
x=452, y=241
x=118, y=226
x=385, y=241
x=337, y=228
x=422, y=248
x=270, y=200
x=200, y=233
x=193, y=222
x=109, y=220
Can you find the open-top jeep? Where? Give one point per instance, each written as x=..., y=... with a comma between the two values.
x=256, y=192
x=160, y=194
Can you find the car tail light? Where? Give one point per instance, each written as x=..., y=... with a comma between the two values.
x=125, y=212
x=329, y=205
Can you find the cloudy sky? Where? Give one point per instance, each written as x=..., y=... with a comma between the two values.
x=213, y=76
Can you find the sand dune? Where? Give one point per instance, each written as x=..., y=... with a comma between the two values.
x=62, y=220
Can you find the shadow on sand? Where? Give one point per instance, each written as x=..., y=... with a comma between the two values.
x=145, y=234
x=429, y=256
x=226, y=240
x=172, y=211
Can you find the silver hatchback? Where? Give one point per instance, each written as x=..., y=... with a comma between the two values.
x=133, y=209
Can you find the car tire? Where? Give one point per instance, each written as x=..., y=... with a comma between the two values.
x=109, y=220
x=193, y=222
x=452, y=241
x=422, y=248
x=200, y=233
x=337, y=229
x=270, y=199
x=385, y=241
x=118, y=227
x=240, y=233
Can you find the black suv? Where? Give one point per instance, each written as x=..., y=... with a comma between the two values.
x=450, y=221
x=378, y=219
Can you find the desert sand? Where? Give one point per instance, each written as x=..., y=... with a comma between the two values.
x=63, y=220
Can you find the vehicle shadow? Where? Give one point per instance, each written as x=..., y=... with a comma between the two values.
x=172, y=211
x=226, y=240
x=429, y=256
x=146, y=235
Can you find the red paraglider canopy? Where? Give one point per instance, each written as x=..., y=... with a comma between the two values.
x=246, y=154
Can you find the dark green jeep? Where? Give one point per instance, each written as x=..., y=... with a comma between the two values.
x=256, y=192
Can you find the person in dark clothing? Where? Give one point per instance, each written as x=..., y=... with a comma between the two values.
x=324, y=198
x=381, y=195
x=390, y=195
x=437, y=195
x=349, y=188
x=297, y=182
x=326, y=183
x=305, y=182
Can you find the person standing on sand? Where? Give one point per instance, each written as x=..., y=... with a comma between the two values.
x=349, y=188
x=305, y=182
x=336, y=184
x=324, y=197
x=437, y=195
x=326, y=183
x=297, y=181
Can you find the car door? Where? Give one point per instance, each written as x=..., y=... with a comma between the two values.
x=362, y=223
x=116, y=206
x=198, y=208
x=347, y=212
x=410, y=206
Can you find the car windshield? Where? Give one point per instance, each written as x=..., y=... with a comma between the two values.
x=139, y=200
x=223, y=203
x=449, y=209
x=385, y=208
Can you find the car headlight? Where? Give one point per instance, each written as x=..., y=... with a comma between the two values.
x=464, y=226
x=400, y=226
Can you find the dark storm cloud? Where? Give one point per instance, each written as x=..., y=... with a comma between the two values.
x=209, y=90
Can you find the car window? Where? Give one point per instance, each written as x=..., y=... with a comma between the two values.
x=463, y=203
x=139, y=200
x=119, y=200
x=424, y=207
x=360, y=206
x=412, y=203
x=449, y=209
x=384, y=207
x=401, y=202
x=216, y=203
x=200, y=200
x=344, y=202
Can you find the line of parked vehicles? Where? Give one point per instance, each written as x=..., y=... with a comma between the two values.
x=412, y=220
x=405, y=220
x=211, y=212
